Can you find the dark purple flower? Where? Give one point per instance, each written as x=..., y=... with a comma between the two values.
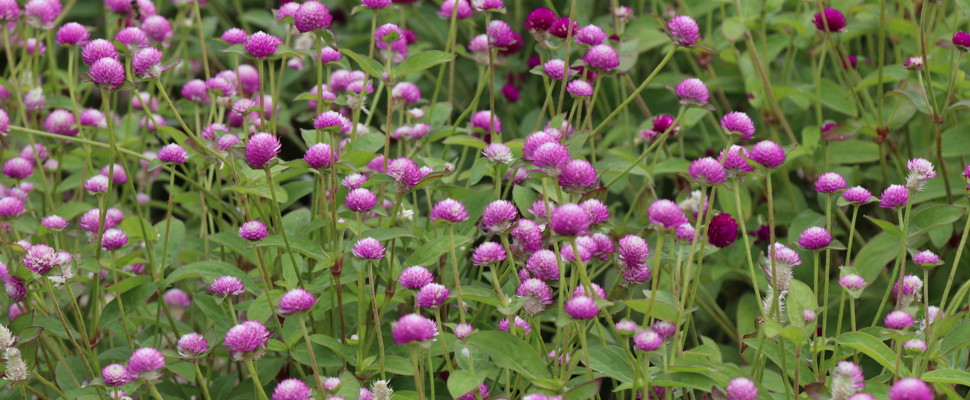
x=722, y=231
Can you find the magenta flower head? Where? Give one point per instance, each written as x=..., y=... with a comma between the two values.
x=482, y=392
x=261, y=149
x=226, y=286
x=498, y=153
x=582, y=307
x=569, y=220
x=962, y=41
x=484, y=121
x=692, y=92
x=376, y=4
x=132, y=37
x=18, y=168
x=157, y=27
x=234, y=36
x=296, y=300
x=115, y=375
x=915, y=346
x=894, y=196
x=739, y=124
x=192, y=345
x=911, y=389
x=54, y=223
x=462, y=331
x=927, y=258
x=564, y=26
x=551, y=157
x=462, y=9
x=815, y=238
x=661, y=123
x=603, y=57
x=113, y=239
x=311, y=16
x=247, y=340
x=4, y=123
x=707, y=171
x=9, y=10
x=767, y=153
x=857, y=195
x=320, y=155
x=292, y=389
x=666, y=214
x=683, y=30
x=147, y=62
x=432, y=295
x=577, y=175
x=920, y=171
x=590, y=35
x=107, y=73
x=898, y=319
x=499, y=215
x=369, y=249
x=72, y=34
x=852, y=282
x=830, y=20
x=61, y=122
x=488, y=253
x=172, y=153
x=360, y=200
x=262, y=44
x=11, y=206
x=741, y=388
x=415, y=277
x=539, y=20
x=98, y=49
x=146, y=363
x=735, y=160
x=537, y=294
x=413, y=328
x=722, y=231
x=847, y=379
x=633, y=252
x=119, y=6
x=449, y=210
x=42, y=13
x=647, y=340
x=500, y=35
x=829, y=182
x=177, y=298
x=543, y=265
x=253, y=231
x=598, y=212
x=579, y=88
x=40, y=258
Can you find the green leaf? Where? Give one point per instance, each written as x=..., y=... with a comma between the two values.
x=465, y=140
x=664, y=307
x=886, y=226
x=461, y=382
x=837, y=98
x=733, y=28
x=874, y=348
x=853, y=151
x=428, y=253
x=875, y=255
x=947, y=376
x=384, y=234
x=133, y=225
x=800, y=297
x=208, y=271
x=584, y=391
x=300, y=245
x=685, y=380
x=261, y=189
x=422, y=61
x=611, y=361
x=511, y=352
x=176, y=238
x=932, y=217
x=369, y=65
x=914, y=97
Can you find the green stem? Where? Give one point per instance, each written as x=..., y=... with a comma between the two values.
x=313, y=357
x=282, y=228
x=953, y=269
x=260, y=393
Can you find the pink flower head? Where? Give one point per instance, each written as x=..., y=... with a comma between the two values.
x=311, y=16
x=598, y=212
x=527, y=236
x=539, y=20
x=40, y=258
x=767, y=153
x=132, y=37
x=962, y=40
x=735, y=160
x=911, y=389
x=829, y=182
x=499, y=215
x=633, y=252
x=61, y=122
x=9, y=10
x=500, y=34
x=262, y=44
x=413, y=328
x=563, y=27
x=899, y=320
x=660, y=124
x=146, y=363
x=369, y=249
x=247, y=340
x=579, y=88
x=115, y=375
x=360, y=200
x=569, y=220
x=830, y=20
x=692, y=91
x=172, y=153
x=920, y=171
x=234, y=36
x=192, y=345
x=647, y=340
x=18, y=168
x=555, y=69
x=666, y=214
x=72, y=34
x=253, y=231
x=577, y=175
x=261, y=149
x=894, y=196
x=376, y=4
x=226, y=286
x=602, y=57
x=54, y=222
x=147, y=62
x=815, y=238
x=582, y=307
x=707, y=171
x=738, y=123
x=590, y=35
x=741, y=388
x=449, y=210
x=461, y=8
x=296, y=300
x=723, y=230
x=551, y=157
x=292, y=389
x=852, y=282
x=113, y=239
x=488, y=5
x=544, y=265
x=926, y=258
x=107, y=73
x=432, y=295
x=158, y=28
x=415, y=277
x=42, y=13
x=484, y=121
x=320, y=155
x=488, y=253
x=683, y=30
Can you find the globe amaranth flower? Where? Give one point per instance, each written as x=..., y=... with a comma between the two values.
x=564, y=27
x=829, y=182
x=961, y=40
x=926, y=258
x=815, y=238
x=262, y=44
x=415, y=277
x=569, y=220
x=40, y=258
x=894, y=196
x=413, y=328
x=292, y=389
x=115, y=375
x=320, y=155
x=856, y=195
x=539, y=20
x=486, y=122
x=500, y=34
x=579, y=88
x=261, y=149
x=54, y=223
x=660, y=125
x=852, y=282
x=107, y=73
x=647, y=340
x=96, y=50
x=915, y=346
x=481, y=392
x=132, y=37
x=544, y=265
x=830, y=20
x=692, y=91
x=312, y=15
x=192, y=345
x=376, y=4
x=42, y=13
x=920, y=171
x=498, y=153
x=633, y=252
x=234, y=36
x=527, y=236
x=369, y=248
x=741, y=388
x=847, y=379
x=722, y=231
x=9, y=10
x=72, y=34
x=735, y=160
x=683, y=30
x=18, y=168
x=432, y=295
x=247, y=340
x=462, y=9
x=666, y=214
x=898, y=320
x=227, y=286
x=767, y=153
x=626, y=326
x=296, y=300
x=911, y=389
x=360, y=200
x=113, y=239
x=577, y=175
x=488, y=253
x=4, y=123
x=499, y=215
x=551, y=157
x=449, y=210
x=253, y=230
x=707, y=171
x=907, y=290
x=157, y=27
x=537, y=295
x=602, y=56
x=146, y=363
x=598, y=212
x=738, y=123
x=590, y=35
x=147, y=62
x=582, y=307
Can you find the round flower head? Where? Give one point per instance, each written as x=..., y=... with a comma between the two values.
x=9, y=10
x=563, y=27
x=894, y=196
x=539, y=20
x=227, y=141
x=146, y=363
x=131, y=37
x=911, y=389
x=460, y=8
x=488, y=253
x=432, y=295
x=569, y=220
x=487, y=5
x=741, y=388
x=692, y=91
x=107, y=73
x=4, y=123
x=42, y=13
x=369, y=248
x=96, y=184
x=234, y=36
x=666, y=214
x=555, y=69
x=707, y=171
x=664, y=329
x=498, y=153
x=192, y=345
x=683, y=30
x=61, y=122
x=72, y=34
x=413, y=328
x=415, y=277
x=113, y=239
x=98, y=49
x=899, y=320
x=847, y=379
x=962, y=40
x=389, y=34
x=227, y=286
x=146, y=62
x=312, y=15
x=577, y=175
x=598, y=212
x=915, y=345
x=246, y=340
x=685, y=232
x=54, y=223
x=195, y=90
x=856, y=195
x=852, y=282
x=590, y=35
x=500, y=34
x=647, y=340
x=406, y=93
x=296, y=300
x=463, y=330
x=320, y=155
x=626, y=326
x=527, y=235
x=815, y=238
x=449, y=210
x=830, y=20
x=331, y=384
x=829, y=182
x=115, y=375
x=262, y=44
x=660, y=125
x=292, y=389
x=537, y=293
x=172, y=153
x=767, y=153
x=926, y=258
x=353, y=181
x=920, y=171
x=331, y=119
x=261, y=149
x=499, y=215
x=582, y=307
x=579, y=88
x=18, y=168
x=177, y=298
x=735, y=160
x=723, y=230
x=157, y=27
x=483, y=120
x=637, y=275
x=602, y=57
x=376, y=4
x=544, y=265
x=253, y=231
x=360, y=200
x=551, y=157
x=633, y=252
x=11, y=206
x=738, y=123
